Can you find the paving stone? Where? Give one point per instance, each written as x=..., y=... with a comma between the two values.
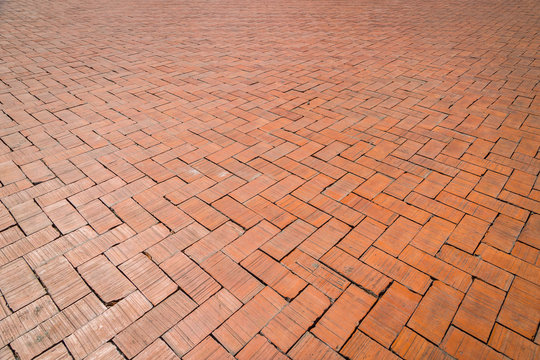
x=19, y=284
x=105, y=279
x=384, y=322
x=269, y=180
x=289, y=325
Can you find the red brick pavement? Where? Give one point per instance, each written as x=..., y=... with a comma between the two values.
x=269, y=179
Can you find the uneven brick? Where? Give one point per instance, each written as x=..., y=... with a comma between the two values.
x=208, y=349
x=396, y=269
x=146, y=330
x=201, y=322
x=233, y=277
x=384, y=322
x=19, y=285
x=190, y=277
x=238, y=330
x=339, y=322
x=411, y=346
x=259, y=348
x=463, y=346
x=105, y=279
x=289, y=325
x=63, y=283
x=361, y=346
x=521, y=310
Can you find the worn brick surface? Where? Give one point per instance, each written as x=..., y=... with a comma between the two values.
x=269, y=179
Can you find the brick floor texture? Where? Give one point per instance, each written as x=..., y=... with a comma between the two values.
x=256, y=179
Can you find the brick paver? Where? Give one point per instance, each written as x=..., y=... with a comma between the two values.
x=269, y=179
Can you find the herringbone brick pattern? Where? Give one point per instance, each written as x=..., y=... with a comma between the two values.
x=260, y=179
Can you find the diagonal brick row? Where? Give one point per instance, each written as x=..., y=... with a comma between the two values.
x=269, y=180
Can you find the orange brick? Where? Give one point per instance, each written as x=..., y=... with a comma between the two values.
x=503, y=233
x=105, y=279
x=64, y=216
x=343, y=186
x=19, y=285
x=270, y=212
x=138, y=243
x=400, y=207
x=531, y=233
x=250, y=241
x=316, y=274
x=521, y=310
x=491, y=183
x=201, y=322
x=274, y=274
x=324, y=238
x=148, y=278
x=468, y=233
x=259, y=348
x=313, y=187
x=432, y=185
x=304, y=211
x=396, y=269
x=62, y=281
x=309, y=347
x=361, y=237
x=436, y=268
x=145, y=330
x=252, y=188
x=238, y=330
x=397, y=236
x=403, y=186
x=233, y=277
x=435, y=312
x=337, y=209
x=202, y=213
x=190, y=277
x=284, y=242
x=176, y=242
x=339, y=322
x=390, y=314
x=479, y=309
x=433, y=235
x=237, y=212
x=356, y=270
x=511, y=344
x=291, y=323
x=462, y=346
x=214, y=241
x=373, y=186
x=208, y=349
x=360, y=346
x=509, y=263
x=411, y=346
x=157, y=350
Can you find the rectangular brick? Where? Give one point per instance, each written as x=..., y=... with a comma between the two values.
x=273, y=274
x=291, y=323
x=201, y=322
x=435, y=312
x=396, y=269
x=385, y=321
x=238, y=330
x=324, y=238
x=105, y=279
x=190, y=277
x=233, y=277
x=144, y=332
x=339, y=322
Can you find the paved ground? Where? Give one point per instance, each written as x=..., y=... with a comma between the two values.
x=269, y=179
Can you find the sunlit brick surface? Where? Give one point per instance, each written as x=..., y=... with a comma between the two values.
x=269, y=179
